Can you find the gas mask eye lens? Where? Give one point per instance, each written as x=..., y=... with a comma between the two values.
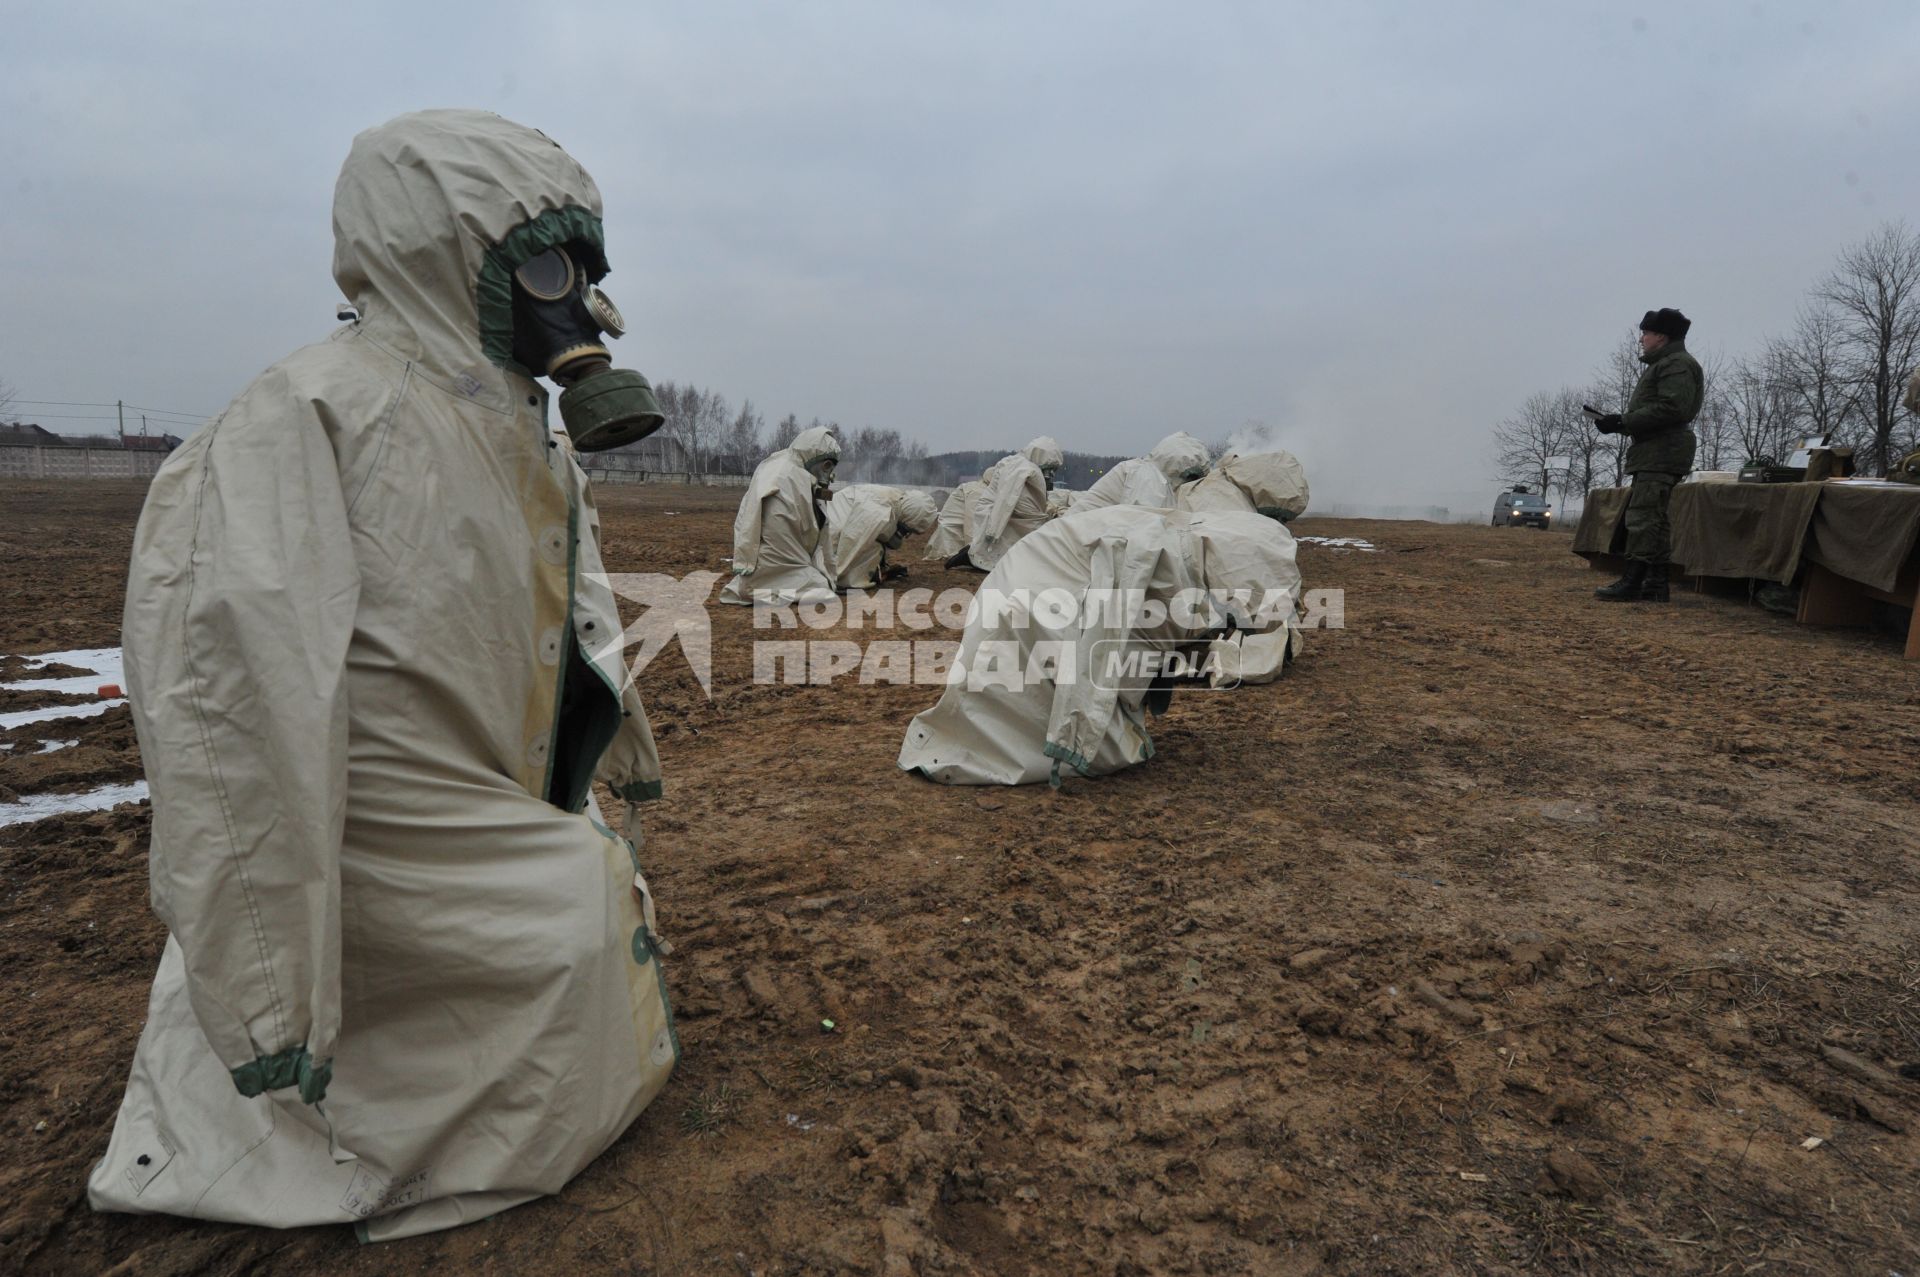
x=604, y=312
x=558, y=319
x=548, y=277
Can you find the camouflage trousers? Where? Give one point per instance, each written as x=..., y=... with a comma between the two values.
x=1649, y=531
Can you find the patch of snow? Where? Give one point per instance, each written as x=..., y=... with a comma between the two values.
x=105, y=663
x=47, y=714
x=41, y=806
x=54, y=746
x=107, y=667
x=1341, y=543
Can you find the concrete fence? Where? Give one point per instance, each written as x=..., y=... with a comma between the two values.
x=116, y=463
x=78, y=463
x=600, y=474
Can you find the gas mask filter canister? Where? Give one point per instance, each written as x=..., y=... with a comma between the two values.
x=558, y=319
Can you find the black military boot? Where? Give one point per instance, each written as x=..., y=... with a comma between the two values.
x=1654, y=589
x=1627, y=588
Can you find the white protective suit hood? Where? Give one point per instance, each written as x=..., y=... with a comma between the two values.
x=915, y=511
x=374, y=663
x=1150, y=480
x=998, y=724
x=860, y=519
x=1268, y=483
x=813, y=444
x=953, y=530
x=445, y=301
x=1180, y=457
x=1044, y=452
x=1272, y=483
x=778, y=549
x=1012, y=501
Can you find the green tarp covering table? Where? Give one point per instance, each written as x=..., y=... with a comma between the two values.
x=1846, y=542
x=1866, y=531
x=1602, y=526
x=1750, y=530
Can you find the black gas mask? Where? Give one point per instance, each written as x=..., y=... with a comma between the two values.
x=559, y=316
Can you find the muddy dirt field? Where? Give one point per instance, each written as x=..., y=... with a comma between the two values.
x=1510, y=932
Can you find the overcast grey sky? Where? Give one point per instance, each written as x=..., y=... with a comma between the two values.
x=1377, y=228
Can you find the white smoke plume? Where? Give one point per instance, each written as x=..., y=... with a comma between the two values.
x=1255, y=437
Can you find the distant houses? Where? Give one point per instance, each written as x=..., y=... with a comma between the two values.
x=29, y=451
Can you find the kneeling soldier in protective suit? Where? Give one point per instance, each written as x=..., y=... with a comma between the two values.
x=1664, y=403
x=376, y=669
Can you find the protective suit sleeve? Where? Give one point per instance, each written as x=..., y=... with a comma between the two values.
x=856, y=541
x=1082, y=708
x=1144, y=485
x=630, y=764
x=1010, y=487
x=747, y=525
x=240, y=608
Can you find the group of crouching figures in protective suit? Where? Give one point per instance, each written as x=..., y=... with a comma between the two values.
x=1164, y=554
x=412, y=976
x=796, y=540
x=1064, y=652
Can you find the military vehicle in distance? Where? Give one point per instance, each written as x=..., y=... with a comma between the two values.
x=1517, y=506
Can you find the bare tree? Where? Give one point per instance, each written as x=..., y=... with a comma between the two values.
x=700, y=421
x=1543, y=429
x=1875, y=294
x=717, y=440
x=1758, y=410
x=915, y=467
x=7, y=393
x=1714, y=427
x=1595, y=460
x=784, y=433
x=714, y=421
x=676, y=406
x=740, y=451
x=1613, y=386
x=1812, y=369
x=874, y=456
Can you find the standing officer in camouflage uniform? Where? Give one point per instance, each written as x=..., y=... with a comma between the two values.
x=1664, y=403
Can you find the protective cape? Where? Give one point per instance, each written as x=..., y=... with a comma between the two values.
x=1273, y=484
x=1011, y=502
x=1060, y=500
x=860, y=519
x=1010, y=712
x=954, y=529
x=374, y=665
x=778, y=551
x=1149, y=480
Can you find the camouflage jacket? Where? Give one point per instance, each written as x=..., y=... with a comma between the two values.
x=1664, y=403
